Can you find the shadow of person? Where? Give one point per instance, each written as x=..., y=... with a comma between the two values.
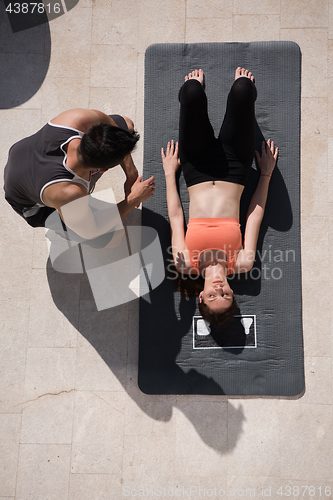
x=218, y=422
x=231, y=337
x=110, y=334
x=161, y=343
x=24, y=55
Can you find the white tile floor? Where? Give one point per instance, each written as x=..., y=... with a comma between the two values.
x=73, y=423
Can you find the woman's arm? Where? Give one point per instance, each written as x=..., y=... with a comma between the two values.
x=171, y=164
x=256, y=209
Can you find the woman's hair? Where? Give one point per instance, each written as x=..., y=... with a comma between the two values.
x=192, y=285
x=188, y=284
x=104, y=146
x=219, y=320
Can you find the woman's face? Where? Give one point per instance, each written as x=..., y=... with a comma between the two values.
x=217, y=296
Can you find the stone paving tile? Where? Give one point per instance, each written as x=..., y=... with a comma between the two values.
x=9, y=449
x=304, y=15
x=98, y=433
x=201, y=437
x=12, y=377
x=306, y=441
x=211, y=30
x=318, y=378
x=87, y=486
x=314, y=48
x=43, y=472
x=49, y=371
x=317, y=317
x=121, y=22
x=166, y=21
x=254, y=438
x=255, y=27
x=249, y=7
x=314, y=166
x=48, y=420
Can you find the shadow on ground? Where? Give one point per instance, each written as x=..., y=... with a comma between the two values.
x=113, y=333
x=24, y=60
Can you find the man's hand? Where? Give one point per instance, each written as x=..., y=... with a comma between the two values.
x=142, y=190
x=170, y=161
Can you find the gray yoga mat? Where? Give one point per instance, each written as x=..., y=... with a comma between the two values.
x=261, y=351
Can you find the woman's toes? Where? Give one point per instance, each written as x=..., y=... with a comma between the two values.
x=197, y=74
x=243, y=72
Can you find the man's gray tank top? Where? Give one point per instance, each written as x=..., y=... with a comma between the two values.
x=38, y=161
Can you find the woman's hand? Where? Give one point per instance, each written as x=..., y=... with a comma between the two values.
x=268, y=157
x=180, y=261
x=170, y=161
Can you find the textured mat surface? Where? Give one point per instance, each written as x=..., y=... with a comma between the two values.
x=261, y=351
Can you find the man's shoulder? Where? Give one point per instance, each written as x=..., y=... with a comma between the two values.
x=70, y=117
x=80, y=118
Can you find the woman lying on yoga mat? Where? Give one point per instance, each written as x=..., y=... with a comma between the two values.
x=215, y=171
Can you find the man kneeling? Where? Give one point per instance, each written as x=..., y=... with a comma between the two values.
x=62, y=162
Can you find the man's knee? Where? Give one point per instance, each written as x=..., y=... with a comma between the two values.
x=129, y=123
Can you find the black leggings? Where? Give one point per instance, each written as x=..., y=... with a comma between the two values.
x=229, y=157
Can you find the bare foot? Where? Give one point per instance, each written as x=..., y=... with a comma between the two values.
x=197, y=74
x=243, y=72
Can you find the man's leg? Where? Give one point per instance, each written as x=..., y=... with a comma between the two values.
x=119, y=121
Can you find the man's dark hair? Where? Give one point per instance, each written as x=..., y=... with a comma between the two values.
x=104, y=146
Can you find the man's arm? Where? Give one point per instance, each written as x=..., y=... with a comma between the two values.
x=72, y=202
x=130, y=171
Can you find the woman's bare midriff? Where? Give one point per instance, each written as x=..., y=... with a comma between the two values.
x=215, y=199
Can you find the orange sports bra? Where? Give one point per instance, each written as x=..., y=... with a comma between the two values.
x=213, y=234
